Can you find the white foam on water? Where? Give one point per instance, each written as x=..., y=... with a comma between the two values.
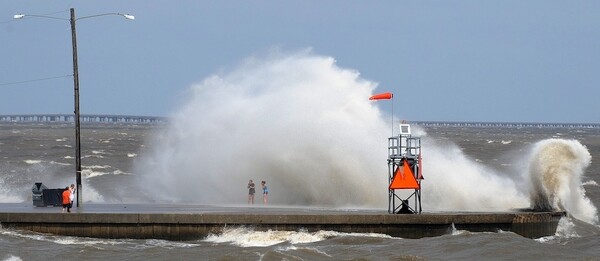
x=93, y=156
x=60, y=163
x=31, y=162
x=97, y=166
x=168, y=244
x=61, y=240
x=246, y=237
x=90, y=173
x=294, y=248
x=566, y=229
x=131, y=155
x=120, y=172
x=456, y=232
x=94, y=242
x=12, y=258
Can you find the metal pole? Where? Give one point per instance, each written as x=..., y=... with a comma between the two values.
x=77, y=127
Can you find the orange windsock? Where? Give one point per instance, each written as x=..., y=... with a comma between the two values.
x=382, y=96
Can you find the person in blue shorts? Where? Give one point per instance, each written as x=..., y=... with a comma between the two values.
x=265, y=192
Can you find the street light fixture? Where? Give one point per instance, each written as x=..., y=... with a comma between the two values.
x=20, y=16
x=75, y=87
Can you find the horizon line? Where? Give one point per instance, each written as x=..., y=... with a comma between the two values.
x=17, y=117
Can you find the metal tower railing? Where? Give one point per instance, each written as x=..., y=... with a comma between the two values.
x=404, y=169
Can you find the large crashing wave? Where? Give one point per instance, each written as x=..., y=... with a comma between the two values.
x=306, y=126
x=299, y=122
x=555, y=171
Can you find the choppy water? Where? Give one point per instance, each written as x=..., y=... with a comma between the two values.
x=43, y=152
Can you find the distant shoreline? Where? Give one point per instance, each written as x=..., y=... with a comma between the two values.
x=85, y=118
x=111, y=119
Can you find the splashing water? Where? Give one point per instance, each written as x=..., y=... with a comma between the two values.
x=554, y=175
x=555, y=171
x=453, y=181
x=247, y=237
x=306, y=126
x=299, y=122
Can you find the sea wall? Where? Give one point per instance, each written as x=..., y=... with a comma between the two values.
x=187, y=226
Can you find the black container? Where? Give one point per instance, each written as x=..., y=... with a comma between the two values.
x=53, y=197
x=38, y=198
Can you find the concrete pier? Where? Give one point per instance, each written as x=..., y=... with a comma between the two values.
x=187, y=222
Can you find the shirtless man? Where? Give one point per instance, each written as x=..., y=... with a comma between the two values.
x=251, y=192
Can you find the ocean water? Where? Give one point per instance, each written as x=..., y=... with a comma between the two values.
x=305, y=126
x=41, y=152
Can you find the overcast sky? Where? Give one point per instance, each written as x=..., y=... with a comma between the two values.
x=510, y=61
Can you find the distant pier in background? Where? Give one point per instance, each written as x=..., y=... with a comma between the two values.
x=506, y=124
x=99, y=118
x=85, y=118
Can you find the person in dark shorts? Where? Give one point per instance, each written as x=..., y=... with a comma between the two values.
x=251, y=192
x=66, y=200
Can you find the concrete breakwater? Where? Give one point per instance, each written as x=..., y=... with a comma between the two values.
x=196, y=222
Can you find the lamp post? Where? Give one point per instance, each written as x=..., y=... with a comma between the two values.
x=76, y=88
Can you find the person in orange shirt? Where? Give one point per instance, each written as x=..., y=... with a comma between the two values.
x=66, y=200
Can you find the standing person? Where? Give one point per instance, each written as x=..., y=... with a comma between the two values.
x=251, y=192
x=265, y=192
x=66, y=200
x=72, y=196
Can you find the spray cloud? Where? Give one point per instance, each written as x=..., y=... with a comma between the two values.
x=306, y=126
x=453, y=181
x=298, y=122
